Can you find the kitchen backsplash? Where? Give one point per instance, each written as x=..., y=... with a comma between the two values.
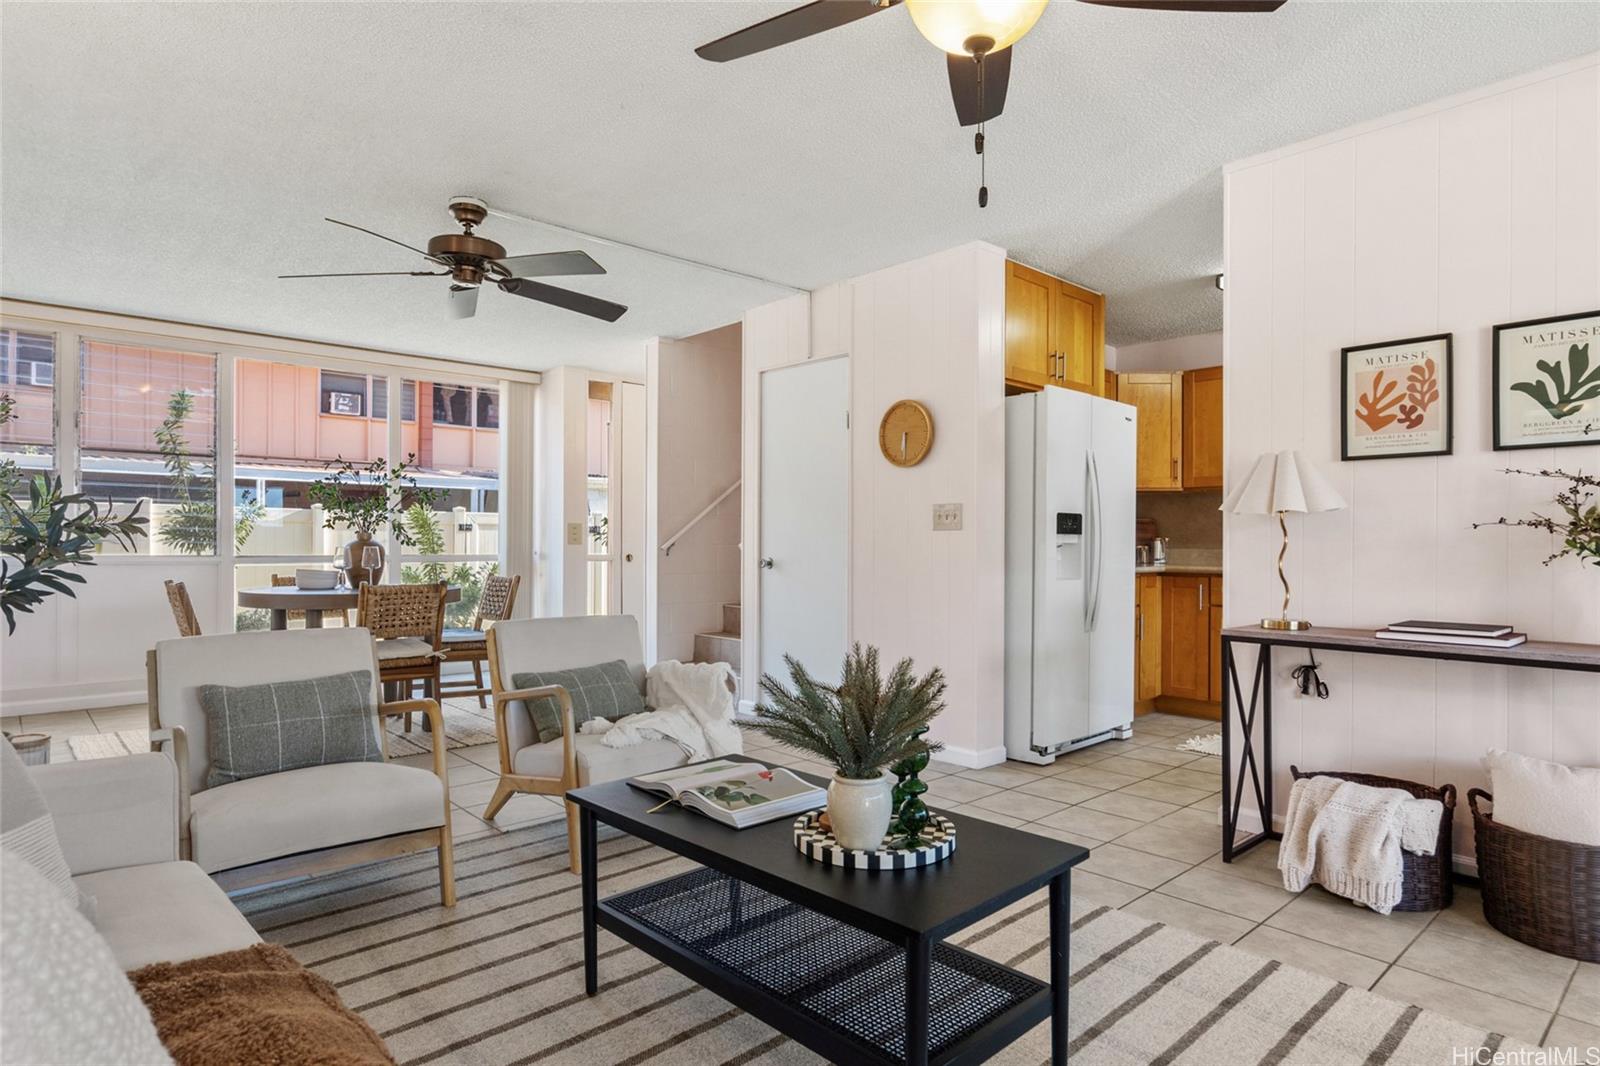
x=1189, y=520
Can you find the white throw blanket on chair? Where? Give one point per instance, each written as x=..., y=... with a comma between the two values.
x=1349, y=838
x=693, y=706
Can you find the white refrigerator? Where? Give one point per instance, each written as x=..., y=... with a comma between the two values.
x=1070, y=467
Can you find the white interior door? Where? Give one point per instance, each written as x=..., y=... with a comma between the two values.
x=631, y=478
x=804, y=551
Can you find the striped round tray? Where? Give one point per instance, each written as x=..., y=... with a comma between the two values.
x=817, y=844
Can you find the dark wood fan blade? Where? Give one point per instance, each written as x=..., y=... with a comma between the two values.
x=463, y=301
x=791, y=26
x=550, y=264
x=566, y=299
x=1246, y=7
x=964, y=85
x=381, y=237
x=375, y=274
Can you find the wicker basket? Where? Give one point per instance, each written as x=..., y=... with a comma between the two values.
x=1541, y=891
x=32, y=748
x=1428, y=885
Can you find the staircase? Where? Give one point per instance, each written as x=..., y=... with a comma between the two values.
x=723, y=646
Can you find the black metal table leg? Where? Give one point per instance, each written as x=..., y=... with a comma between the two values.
x=1060, y=965
x=587, y=857
x=1230, y=685
x=1235, y=710
x=919, y=963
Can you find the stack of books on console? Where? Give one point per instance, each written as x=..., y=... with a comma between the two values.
x=1471, y=634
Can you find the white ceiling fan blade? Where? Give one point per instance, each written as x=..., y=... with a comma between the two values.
x=463, y=301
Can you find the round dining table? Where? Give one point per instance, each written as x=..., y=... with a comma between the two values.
x=281, y=599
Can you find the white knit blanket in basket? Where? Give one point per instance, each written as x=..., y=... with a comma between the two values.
x=1349, y=838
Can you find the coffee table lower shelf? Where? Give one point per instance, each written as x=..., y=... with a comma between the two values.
x=838, y=990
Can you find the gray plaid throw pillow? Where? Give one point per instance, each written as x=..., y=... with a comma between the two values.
x=606, y=690
x=253, y=730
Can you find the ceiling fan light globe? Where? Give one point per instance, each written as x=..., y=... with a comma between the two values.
x=951, y=24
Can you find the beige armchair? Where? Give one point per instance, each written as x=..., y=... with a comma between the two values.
x=297, y=822
x=539, y=645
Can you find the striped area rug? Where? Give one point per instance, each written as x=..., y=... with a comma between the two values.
x=499, y=979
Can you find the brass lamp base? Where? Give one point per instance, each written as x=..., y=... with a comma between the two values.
x=1285, y=623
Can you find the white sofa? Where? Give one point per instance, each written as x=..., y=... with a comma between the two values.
x=117, y=820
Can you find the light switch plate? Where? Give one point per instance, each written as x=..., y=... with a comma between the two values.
x=575, y=534
x=946, y=516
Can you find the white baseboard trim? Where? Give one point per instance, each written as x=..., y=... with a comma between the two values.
x=1250, y=822
x=972, y=759
x=88, y=697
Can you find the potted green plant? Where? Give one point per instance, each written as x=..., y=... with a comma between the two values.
x=1579, y=500
x=859, y=726
x=364, y=498
x=49, y=534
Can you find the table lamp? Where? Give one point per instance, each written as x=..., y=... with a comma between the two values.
x=1280, y=483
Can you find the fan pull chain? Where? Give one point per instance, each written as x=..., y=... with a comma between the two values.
x=977, y=144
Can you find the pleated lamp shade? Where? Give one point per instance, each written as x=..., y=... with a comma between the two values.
x=1283, y=481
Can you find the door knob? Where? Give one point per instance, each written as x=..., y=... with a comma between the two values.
x=628, y=558
x=766, y=564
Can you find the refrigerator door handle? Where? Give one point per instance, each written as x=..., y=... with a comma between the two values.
x=1090, y=528
x=1099, y=546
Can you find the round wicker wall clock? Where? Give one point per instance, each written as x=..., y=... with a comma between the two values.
x=906, y=433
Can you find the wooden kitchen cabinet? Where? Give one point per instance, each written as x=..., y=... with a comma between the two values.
x=1202, y=428
x=1186, y=636
x=1146, y=637
x=1215, y=587
x=1159, y=398
x=1055, y=333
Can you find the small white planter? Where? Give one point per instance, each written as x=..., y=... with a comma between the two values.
x=859, y=809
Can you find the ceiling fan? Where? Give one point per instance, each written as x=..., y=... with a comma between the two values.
x=976, y=36
x=470, y=261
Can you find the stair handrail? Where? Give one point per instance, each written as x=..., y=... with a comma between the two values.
x=666, y=545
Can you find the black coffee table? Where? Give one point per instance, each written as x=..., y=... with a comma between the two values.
x=852, y=964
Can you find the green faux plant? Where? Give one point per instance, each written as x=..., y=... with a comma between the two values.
x=1579, y=530
x=859, y=726
x=50, y=533
x=190, y=526
x=367, y=496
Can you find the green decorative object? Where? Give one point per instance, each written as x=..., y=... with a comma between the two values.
x=911, y=815
x=1579, y=529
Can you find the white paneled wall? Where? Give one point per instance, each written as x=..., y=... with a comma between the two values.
x=1480, y=209
x=694, y=392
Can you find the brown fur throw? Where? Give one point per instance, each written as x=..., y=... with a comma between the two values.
x=257, y=1005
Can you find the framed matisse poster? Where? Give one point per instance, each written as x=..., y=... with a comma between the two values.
x=1394, y=399
x=1547, y=382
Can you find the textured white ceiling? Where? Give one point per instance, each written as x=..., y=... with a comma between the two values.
x=170, y=160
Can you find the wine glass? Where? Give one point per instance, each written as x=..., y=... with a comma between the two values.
x=341, y=559
x=371, y=560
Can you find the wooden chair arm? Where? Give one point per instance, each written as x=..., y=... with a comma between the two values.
x=569, y=754
x=429, y=709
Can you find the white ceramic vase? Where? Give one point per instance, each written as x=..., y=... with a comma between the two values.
x=859, y=810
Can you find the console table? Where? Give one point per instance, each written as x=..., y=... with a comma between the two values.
x=1544, y=654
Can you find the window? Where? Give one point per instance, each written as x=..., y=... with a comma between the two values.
x=344, y=394
x=452, y=405
x=27, y=375
x=488, y=408
x=380, y=399
x=148, y=432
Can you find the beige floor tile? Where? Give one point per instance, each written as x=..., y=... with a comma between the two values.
x=1055, y=788
x=1130, y=806
x=1018, y=805
x=1259, y=864
x=485, y=755
x=467, y=826
x=1583, y=995
x=1134, y=867
x=1197, y=820
x=1213, y=925
x=1170, y=842
x=940, y=767
x=1037, y=769
x=465, y=773
x=1581, y=1036
x=954, y=788
x=1096, y=825
x=1000, y=776
x=1358, y=971
x=1062, y=834
x=1164, y=756
x=966, y=812
x=1501, y=966
x=1095, y=777
x=475, y=793
x=11, y=723
x=1166, y=792
x=1192, y=778
x=521, y=810
x=1212, y=802
x=1464, y=1004
x=60, y=724
x=1103, y=891
x=1343, y=924
x=1137, y=769
x=1235, y=895
x=1083, y=757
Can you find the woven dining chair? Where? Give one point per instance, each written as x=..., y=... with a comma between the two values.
x=470, y=645
x=407, y=623
x=283, y=581
x=182, y=609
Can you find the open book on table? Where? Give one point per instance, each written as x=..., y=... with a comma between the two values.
x=735, y=793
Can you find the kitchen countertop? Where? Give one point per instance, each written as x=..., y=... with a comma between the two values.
x=1178, y=568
